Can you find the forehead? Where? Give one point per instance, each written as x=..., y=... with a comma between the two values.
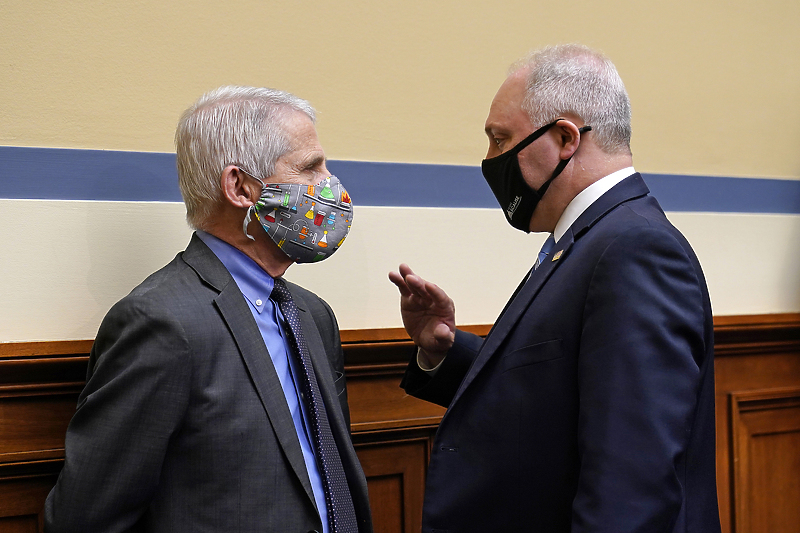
x=301, y=132
x=506, y=111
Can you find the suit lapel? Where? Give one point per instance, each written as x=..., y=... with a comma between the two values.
x=515, y=309
x=629, y=188
x=319, y=361
x=243, y=328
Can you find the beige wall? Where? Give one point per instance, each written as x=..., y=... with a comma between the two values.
x=714, y=84
x=714, y=87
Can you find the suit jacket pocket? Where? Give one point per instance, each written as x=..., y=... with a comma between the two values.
x=532, y=354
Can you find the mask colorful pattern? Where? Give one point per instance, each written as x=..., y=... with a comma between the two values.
x=308, y=222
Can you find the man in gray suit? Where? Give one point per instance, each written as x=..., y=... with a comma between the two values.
x=215, y=399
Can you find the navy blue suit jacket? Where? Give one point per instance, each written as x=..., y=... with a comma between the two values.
x=590, y=404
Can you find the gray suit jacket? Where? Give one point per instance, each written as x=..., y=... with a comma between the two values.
x=183, y=425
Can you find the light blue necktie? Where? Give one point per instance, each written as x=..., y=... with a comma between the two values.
x=545, y=251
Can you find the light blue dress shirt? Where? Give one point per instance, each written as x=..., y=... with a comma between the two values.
x=256, y=286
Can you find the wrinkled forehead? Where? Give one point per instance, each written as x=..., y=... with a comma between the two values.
x=300, y=130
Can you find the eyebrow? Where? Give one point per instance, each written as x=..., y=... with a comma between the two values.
x=312, y=161
x=492, y=127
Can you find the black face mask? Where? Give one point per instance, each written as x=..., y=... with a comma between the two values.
x=517, y=199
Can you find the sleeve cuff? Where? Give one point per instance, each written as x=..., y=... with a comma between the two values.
x=422, y=363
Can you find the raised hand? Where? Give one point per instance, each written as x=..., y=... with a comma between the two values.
x=429, y=315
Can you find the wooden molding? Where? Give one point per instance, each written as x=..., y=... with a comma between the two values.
x=765, y=425
x=756, y=334
x=757, y=389
x=44, y=348
x=361, y=336
x=727, y=330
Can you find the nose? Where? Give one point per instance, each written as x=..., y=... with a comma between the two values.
x=325, y=170
x=493, y=150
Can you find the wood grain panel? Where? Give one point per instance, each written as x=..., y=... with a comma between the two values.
x=753, y=353
x=377, y=401
x=395, y=474
x=765, y=428
x=758, y=442
x=33, y=427
x=21, y=502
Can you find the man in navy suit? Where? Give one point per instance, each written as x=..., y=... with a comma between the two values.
x=589, y=407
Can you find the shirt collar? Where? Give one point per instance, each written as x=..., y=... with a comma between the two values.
x=587, y=197
x=255, y=284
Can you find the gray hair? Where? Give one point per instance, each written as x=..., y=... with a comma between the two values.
x=573, y=78
x=230, y=126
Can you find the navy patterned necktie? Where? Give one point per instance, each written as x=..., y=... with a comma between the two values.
x=341, y=514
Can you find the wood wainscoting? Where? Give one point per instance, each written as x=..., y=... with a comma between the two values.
x=757, y=372
x=758, y=424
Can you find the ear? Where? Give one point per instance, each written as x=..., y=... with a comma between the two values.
x=569, y=138
x=238, y=189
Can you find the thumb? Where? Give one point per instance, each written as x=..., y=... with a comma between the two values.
x=443, y=334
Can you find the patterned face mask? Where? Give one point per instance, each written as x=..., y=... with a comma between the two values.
x=307, y=222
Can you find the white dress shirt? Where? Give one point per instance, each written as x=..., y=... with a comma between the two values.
x=587, y=197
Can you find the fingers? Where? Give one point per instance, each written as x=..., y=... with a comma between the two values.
x=411, y=284
x=422, y=292
x=438, y=296
x=417, y=285
x=428, y=291
x=398, y=280
x=428, y=313
x=405, y=270
x=408, y=282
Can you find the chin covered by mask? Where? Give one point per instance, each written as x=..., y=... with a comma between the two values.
x=308, y=222
x=504, y=176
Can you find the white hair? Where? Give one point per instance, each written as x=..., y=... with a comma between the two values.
x=230, y=126
x=573, y=78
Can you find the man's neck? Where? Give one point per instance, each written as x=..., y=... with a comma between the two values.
x=586, y=168
x=262, y=249
x=587, y=197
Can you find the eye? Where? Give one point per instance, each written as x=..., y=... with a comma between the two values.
x=496, y=138
x=315, y=165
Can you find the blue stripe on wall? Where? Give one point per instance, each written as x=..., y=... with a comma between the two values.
x=61, y=174
x=67, y=174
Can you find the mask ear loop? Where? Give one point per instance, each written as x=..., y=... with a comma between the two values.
x=252, y=209
x=247, y=218
x=561, y=165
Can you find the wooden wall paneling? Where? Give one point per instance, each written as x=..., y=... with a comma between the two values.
x=757, y=390
x=392, y=431
x=39, y=387
x=765, y=431
x=752, y=353
x=374, y=371
x=395, y=471
x=22, y=501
